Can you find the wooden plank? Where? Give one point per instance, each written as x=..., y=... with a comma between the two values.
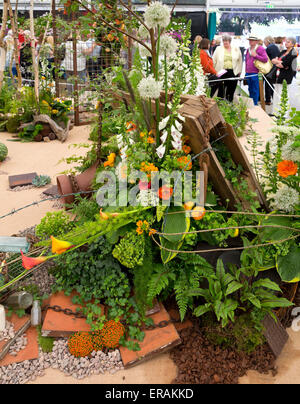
x=239, y=157
x=275, y=334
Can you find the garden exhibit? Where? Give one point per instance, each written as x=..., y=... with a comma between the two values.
x=149, y=213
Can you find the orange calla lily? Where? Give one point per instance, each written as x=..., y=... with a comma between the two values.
x=60, y=246
x=30, y=262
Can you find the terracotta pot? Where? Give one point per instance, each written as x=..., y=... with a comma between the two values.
x=67, y=184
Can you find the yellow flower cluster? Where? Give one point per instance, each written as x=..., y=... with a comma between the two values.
x=148, y=168
x=142, y=226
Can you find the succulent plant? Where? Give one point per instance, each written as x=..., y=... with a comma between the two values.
x=41, y=180
x=3, y=152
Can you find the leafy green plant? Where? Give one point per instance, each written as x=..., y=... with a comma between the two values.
x=236, y=114
x=30, y=132
x=130, y=250
x=3, y=152
x=54, y=224
x=230, y=292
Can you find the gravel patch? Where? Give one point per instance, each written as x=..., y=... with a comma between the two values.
x=61, y=359
x=9, y=333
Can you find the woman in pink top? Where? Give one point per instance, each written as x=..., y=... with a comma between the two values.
x=255, y=52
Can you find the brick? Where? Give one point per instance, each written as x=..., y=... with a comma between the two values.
x=21, y=180
x=58, y=324
x=155, y=342
x=31, y=350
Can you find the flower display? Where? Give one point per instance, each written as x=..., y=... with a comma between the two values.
x=149, y=88
x=157, y=15
x=286, y=168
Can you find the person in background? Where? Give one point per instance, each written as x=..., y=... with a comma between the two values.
x=195, y=43
x=212, y=47
x=228, y=57
x=254, y=52
x=93, y=59
x=272, y=52
x=82, y=51
x=286, y=69
x=208, y=65
x=10, y=62
x=279, y=43
x=26, y=58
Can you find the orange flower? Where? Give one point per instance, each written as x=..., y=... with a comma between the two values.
x=165, y=193
x=286, y=168
x=142, y=226
x=130, y=126
x=186, y=149
x=110, y=37
x=142, y=134
x=185, y=163
x=198, y=212
x=60, y=246
x=30, y=262
x=110, y=160
x=189, y=205
x=152, y=231
x=150, y=140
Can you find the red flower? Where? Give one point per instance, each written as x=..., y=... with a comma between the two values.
x=30, y=262
x=165, y=193
x=144, y=185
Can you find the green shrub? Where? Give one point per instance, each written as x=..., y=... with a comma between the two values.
x=3, y=152
x=54, y=224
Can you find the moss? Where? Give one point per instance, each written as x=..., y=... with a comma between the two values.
x=245, y=335
x=46, y=343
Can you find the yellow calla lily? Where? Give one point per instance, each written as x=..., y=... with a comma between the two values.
x=60, y=246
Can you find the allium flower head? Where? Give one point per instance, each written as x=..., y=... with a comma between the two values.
x=144, y=53
x=157, y=14
x=149, y=88
x=168, y=45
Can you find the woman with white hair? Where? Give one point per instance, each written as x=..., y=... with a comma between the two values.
x=286, y=64
x=229, y=58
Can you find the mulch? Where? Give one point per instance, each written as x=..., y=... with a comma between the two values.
x=200, y=362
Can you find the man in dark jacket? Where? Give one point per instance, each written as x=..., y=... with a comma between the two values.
x=273, y=52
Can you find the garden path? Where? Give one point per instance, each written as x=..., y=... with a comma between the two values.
x=39, y=157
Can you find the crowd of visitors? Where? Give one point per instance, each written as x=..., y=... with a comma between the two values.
x=222, y=61
x=223, y=64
